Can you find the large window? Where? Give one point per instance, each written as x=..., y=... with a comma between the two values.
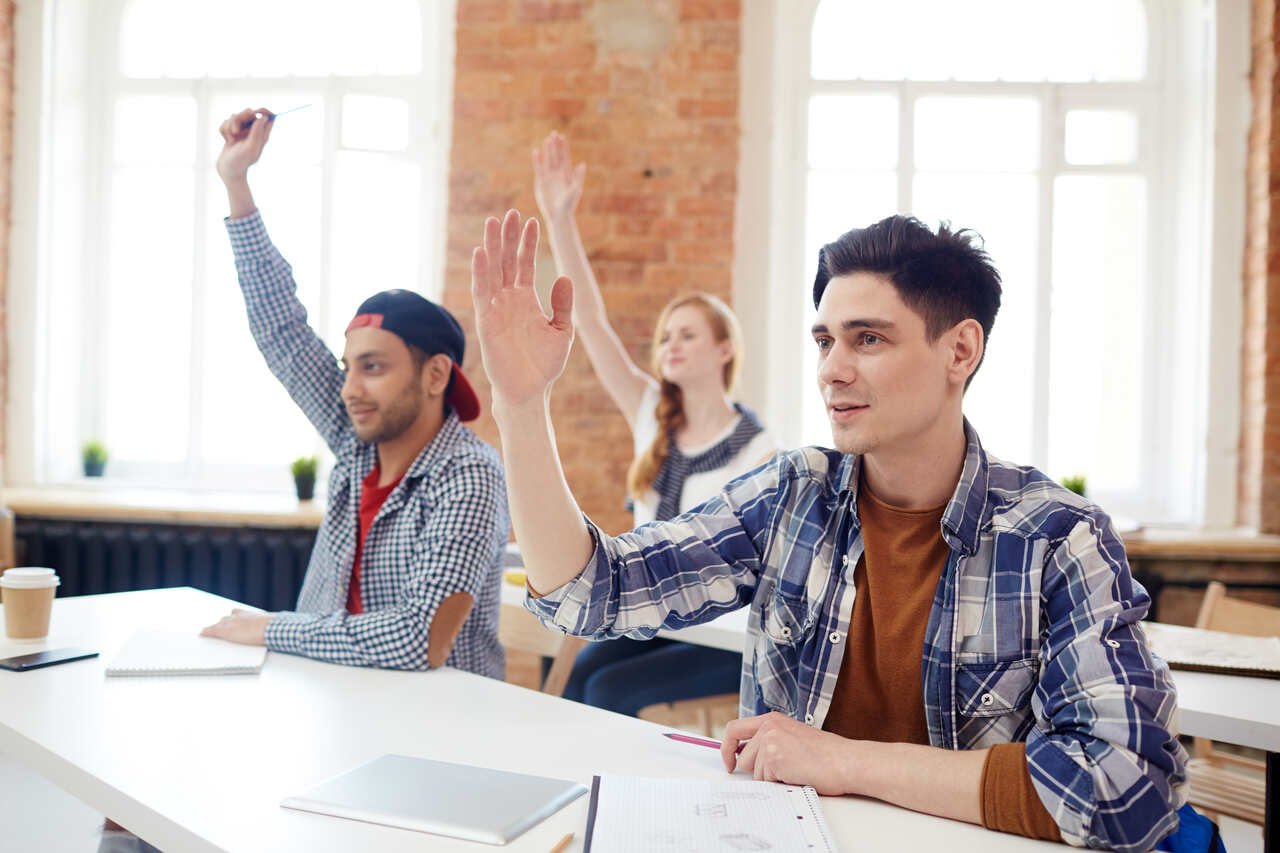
x=1049, y=129
x=144, y=341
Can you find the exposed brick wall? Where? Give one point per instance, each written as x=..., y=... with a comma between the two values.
x=647, y=93
x=1259, y=490
x=6, y=184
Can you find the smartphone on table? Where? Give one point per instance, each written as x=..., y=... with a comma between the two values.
x=36, y=660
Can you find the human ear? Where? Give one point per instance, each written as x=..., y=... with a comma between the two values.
x=967, y=346
x=436, y=373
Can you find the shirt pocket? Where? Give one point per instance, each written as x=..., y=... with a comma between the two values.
x=786, y=623
x=996, y=688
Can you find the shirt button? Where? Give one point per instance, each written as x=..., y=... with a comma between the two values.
x=1115, y=644
x=835, y=637
x=987, y=699
x=808, y=718
x=786, y=631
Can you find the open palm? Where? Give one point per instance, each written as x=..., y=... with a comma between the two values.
x=523, y=351
x=557, y=183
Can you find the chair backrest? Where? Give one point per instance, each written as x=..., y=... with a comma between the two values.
x=1219, y=613
x=520, y=630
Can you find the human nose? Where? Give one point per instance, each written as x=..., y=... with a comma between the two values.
x=350, y=387
x=837, y=368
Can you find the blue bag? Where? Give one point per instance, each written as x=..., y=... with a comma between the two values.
x=1195, y=834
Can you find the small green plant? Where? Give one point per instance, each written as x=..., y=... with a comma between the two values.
x=304, y=466
x=1075, y=483
x=93, y=455
x=304, y=476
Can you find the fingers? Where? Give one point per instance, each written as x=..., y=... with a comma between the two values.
x=481, y=293
x=527, y=253
x=579, y=175
x=493, y=255
x=562, y=317
x=560, y=147
x=509, y=246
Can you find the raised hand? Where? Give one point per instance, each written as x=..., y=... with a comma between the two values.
x=523, y=351
x=557, y=184
x=244, y=135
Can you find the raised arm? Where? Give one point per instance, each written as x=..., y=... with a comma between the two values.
x=557, y=185
x=277, y=319
x=524, y=353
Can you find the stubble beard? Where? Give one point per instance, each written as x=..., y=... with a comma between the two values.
x=396, y=417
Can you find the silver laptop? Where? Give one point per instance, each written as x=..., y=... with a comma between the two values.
x=458, y=800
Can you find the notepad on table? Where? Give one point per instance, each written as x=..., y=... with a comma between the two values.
x=457, y=800
x=1214, y=651
x=633, y=814
x=151, y=652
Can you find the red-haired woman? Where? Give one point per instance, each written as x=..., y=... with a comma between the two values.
x=690, y=439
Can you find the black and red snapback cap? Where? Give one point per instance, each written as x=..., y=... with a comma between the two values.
x=430, y=328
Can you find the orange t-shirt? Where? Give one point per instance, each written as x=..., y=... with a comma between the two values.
x=878, y=694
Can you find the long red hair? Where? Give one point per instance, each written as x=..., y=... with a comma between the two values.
x=670, y=409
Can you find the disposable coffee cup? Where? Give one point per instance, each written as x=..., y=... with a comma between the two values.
x=27, y=594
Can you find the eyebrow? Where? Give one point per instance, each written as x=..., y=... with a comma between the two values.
x=854, y=325
x=373, y=353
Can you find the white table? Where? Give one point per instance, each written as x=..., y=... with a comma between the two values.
x=1228, y=708
x=200, y=764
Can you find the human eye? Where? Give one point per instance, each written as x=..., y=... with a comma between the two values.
x=824, y=343
x=869, y=339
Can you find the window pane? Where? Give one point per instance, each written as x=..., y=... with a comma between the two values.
x=154, y=130
x=1017, y=40
x=248, y=416
x=977, y=134
x=1002, y=209
x=853, y=131
x=147, y=306
x=1096, y=362
x=193, y=38
x=1097, y=137
x=837, y=201
x=374, y=239
x=375, y=123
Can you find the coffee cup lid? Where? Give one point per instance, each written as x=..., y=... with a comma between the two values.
x=29, y=578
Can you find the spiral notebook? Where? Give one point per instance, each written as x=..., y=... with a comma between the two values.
x=633, y=814
x=159, y=653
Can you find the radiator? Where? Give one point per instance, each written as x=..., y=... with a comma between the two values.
x=258, y=566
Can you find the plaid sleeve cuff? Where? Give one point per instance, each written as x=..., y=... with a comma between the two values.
x=248, y=235
x=282, y=632
x=565, y=608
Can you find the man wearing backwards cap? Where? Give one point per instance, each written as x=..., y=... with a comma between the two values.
x=406, y=565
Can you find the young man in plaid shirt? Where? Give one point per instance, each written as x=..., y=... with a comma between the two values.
x=407, y=562
x=929, y=625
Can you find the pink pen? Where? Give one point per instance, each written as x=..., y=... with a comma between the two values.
x=700, y=741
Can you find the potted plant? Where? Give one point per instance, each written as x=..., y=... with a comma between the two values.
x=304, y=476
x=1074, y=483
x=93, y=453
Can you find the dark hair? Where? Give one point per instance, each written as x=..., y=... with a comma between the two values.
x=945, y=277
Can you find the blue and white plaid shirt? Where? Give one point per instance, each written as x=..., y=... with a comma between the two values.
x=1034, y=633
x=441, y=531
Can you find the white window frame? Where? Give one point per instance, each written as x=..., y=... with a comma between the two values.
x=1197, y=84
x=42, y=79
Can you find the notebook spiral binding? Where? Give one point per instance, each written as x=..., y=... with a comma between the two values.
x=810, y=797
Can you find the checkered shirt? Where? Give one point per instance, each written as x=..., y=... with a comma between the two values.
x=1033, y=636
x=441, y=531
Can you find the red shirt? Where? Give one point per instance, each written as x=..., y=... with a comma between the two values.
x=372, y=497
